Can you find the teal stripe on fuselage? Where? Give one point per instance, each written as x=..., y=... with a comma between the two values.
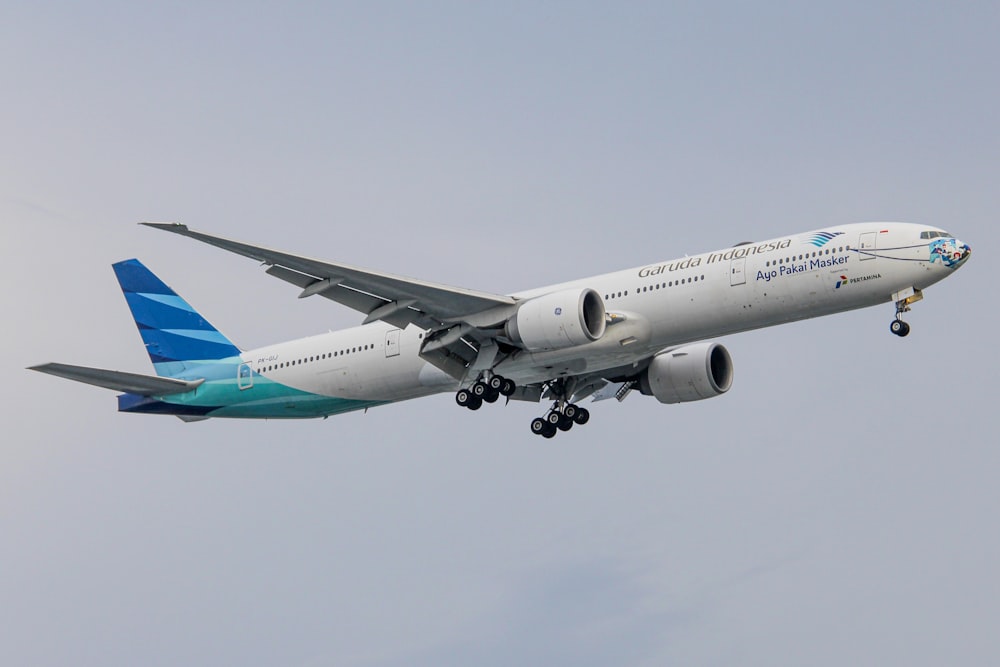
x=220, y=396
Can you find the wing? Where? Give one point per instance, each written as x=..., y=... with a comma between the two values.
x=380, y=296
x=132, y=383
x=458, y=321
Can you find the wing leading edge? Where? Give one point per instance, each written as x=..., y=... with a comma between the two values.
x=380, y=296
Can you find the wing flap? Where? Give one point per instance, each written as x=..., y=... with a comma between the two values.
x=130, y=383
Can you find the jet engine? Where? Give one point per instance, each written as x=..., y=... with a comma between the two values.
x=689, y=373
x=559, y=320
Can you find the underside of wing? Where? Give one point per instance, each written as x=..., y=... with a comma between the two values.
x=131, y=383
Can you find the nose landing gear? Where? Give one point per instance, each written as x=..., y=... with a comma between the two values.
x=904, y=299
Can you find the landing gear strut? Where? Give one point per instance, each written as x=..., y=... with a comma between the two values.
x=903, y=299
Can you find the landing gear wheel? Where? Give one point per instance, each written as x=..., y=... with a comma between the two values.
x=582, y=416
x=553, y=418
x=539, y=426
x=507, y=387
x=550, y=432
x=491, y=396
x=475, y=403
x=565, y=423
x=899, y=327
x=495, y=383
x=463, y=397
x=480, y=389
x=570, y=411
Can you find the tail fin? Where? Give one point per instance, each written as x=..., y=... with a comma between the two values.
x=176, y=336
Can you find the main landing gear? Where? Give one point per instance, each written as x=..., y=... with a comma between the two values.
x=485, y=390
x=560, y=417
x=563, y=414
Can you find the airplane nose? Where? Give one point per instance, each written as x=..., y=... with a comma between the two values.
x=961, y=254
x=965, y=249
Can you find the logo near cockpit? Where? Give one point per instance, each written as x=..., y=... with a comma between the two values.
x=820, y=239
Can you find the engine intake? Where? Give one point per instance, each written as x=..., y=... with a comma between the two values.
x=690, y=373
x=559, y=320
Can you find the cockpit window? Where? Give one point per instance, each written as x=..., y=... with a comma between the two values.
x=934, y=235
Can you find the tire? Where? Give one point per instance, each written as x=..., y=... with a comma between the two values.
x=491, y=396
x=582, y=416
x=508, y=387
x=480, y=389
x=475, y=403
x=539, y=426
x=462, y=397
x=495, y=383
x=570, y=411
x=553, y=418
x=550, y=432
x=565, y=423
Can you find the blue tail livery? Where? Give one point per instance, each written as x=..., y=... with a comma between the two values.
x=177, y=337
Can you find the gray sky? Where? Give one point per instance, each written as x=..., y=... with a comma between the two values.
x=838, y=506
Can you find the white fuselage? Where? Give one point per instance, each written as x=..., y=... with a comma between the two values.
x=660, y=306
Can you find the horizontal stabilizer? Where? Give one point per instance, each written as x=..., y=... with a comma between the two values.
x=131, y=383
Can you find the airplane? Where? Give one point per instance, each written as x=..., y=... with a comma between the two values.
x=648, y=328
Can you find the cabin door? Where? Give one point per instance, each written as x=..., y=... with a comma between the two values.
x=866, y=246
x=737, y=272
x=392, y=343
x=244, y=377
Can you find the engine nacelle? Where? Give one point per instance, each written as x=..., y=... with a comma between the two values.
x=690, y=373
x=559, y=320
